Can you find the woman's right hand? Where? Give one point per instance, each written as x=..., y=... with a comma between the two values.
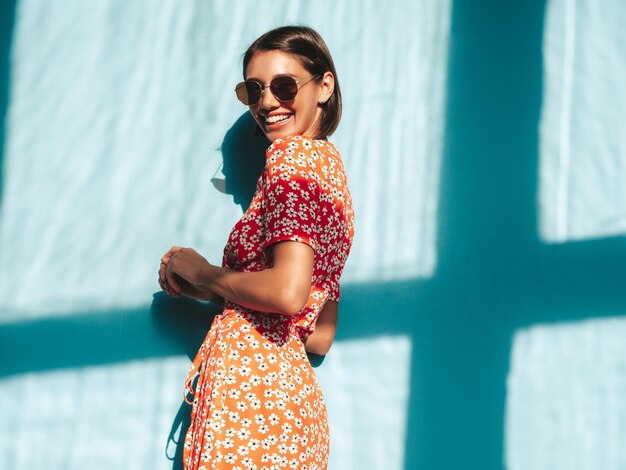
x=186, y=288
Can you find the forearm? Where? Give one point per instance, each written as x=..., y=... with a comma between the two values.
x=284, y=288
x=320, y=341
x=269, y=290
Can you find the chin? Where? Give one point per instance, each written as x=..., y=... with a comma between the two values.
x=281, y=134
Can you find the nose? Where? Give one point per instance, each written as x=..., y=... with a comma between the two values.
x=268, y=100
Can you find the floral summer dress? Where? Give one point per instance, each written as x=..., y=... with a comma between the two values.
x=257, y=404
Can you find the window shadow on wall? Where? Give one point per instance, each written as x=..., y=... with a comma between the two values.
x=7, y=21
x=494, y=275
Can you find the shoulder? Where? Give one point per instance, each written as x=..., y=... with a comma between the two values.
x=301, y=151
x=292, y=146
x=294, y=154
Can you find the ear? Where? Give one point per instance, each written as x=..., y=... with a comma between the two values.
x=327, y=87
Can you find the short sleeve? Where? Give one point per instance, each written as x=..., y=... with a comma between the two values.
x=335, y=293
x=291, y=193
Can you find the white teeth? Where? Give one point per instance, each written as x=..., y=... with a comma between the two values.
x=277, y=118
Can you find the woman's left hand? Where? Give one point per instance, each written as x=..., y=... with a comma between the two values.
x=181, y=271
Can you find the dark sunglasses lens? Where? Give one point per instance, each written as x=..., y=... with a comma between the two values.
x=284, y=88
x=254, y=92
x=248, y=93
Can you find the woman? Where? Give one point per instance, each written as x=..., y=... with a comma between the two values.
x=256, y=402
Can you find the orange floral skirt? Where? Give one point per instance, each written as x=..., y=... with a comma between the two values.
x=257, y=404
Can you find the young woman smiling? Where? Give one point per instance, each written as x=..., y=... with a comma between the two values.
x=256, y=403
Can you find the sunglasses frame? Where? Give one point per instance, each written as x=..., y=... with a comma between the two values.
x=263, y=87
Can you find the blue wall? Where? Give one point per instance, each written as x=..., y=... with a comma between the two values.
x=450, y=275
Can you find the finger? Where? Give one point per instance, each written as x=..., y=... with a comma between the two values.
x=163, y=287
x=171, y=280
x=162, y=270
x=174, y=285
x=163, y=283
x=166, y=257
x=167, y=289
x=171, y=292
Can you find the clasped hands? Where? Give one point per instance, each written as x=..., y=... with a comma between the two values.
x=181, y=273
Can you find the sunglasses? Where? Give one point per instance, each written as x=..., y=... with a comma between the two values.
x=283, y=89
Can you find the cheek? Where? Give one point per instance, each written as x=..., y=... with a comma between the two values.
x=305, y=110
x=310, y=107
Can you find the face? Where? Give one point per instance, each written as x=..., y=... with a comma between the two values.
x=300, y=116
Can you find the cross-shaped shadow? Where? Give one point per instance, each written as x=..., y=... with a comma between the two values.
x=494, y=275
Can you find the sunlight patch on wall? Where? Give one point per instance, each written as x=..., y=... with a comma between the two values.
x=583, y=122
x=116, y=114
x=111, y=138
x=566, y=400
x=392, y=137
x=366, y=382
x=98, y=418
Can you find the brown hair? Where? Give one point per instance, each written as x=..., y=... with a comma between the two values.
x=311, y=50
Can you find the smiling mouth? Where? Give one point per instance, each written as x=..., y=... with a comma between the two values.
x=277, y=118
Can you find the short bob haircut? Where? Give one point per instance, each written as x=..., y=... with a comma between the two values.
x=310, y=49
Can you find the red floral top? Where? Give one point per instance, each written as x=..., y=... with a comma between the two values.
x=302, y=196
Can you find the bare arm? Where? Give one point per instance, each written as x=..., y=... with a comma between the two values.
x=284, y=288
x=320, y=341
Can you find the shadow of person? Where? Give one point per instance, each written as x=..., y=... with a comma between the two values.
x=182, y=421
x=182, y=320
x=185, y=322
x=243, y=158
